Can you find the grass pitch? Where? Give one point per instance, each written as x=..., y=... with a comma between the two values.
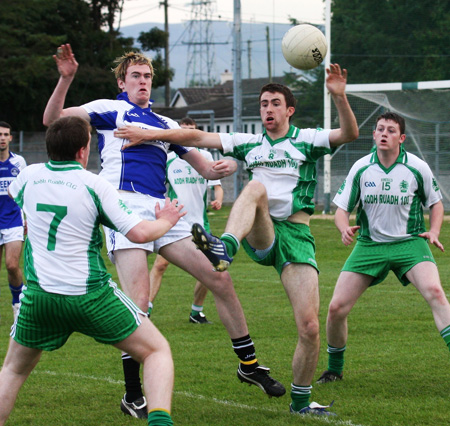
x=396, y=371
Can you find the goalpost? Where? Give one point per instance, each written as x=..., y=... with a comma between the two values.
x=426, y=109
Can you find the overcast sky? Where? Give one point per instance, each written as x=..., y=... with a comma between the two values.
x=140, y=11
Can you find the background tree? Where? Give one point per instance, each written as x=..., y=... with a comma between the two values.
x=155, y=40
x=392, y=41
x=31, y=31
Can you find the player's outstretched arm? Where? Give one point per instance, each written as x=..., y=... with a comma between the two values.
x=342, y=222
x=67, y=68
x=185, y=137
x=436, y=219
x=336, y=82
x=166, y=218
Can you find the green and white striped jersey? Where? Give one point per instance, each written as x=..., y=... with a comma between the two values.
x=390, y=201
x=64, y=205
x=286, y=166
x=189, y=187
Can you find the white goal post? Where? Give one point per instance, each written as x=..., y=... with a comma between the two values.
x=426, y=108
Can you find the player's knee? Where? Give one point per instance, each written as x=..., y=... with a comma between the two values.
x=219, y=283
x=336, y=310
x=161, y=267
x=309, y=330
x=256, y=189
x=436, y=293
x=12, y=266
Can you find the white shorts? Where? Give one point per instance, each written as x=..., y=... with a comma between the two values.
x=9, y=235
x=144, y=206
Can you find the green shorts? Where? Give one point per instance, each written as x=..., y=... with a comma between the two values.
x=377, y=259
x=46, y=320
x=293, y=243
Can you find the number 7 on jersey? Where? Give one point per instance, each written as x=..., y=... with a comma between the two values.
x=60, y=212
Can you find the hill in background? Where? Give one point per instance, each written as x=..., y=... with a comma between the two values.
x=223, y=35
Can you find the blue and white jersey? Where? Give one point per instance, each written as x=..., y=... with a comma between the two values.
x=141, y=168
x=10, y=213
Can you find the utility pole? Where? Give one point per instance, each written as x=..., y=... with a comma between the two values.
x=269, y=65
x=249, y=58
x=327, y=114
x=237, y=88
x=166, y=51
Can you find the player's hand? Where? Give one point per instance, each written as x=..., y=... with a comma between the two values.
x=134, y=134
x=433, y=238
x=224, y=167
x=336, y=79
x=170, y=212
x=348, y=233
x=65, y=61
x=216, y=204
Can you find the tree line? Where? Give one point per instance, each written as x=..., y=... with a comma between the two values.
x=382, y=41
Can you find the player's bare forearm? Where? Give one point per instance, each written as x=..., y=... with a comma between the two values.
x=348, y=130
x=218, y=195
x=185, y=137
x=342, y=222
x=67, y=68
x=336, y=82
x=436, y=219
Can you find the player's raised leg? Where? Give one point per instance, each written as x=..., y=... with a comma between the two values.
x=183, y=254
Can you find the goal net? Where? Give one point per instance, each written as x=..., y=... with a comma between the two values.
x=426, y=109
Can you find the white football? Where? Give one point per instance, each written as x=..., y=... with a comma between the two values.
x=304, y=47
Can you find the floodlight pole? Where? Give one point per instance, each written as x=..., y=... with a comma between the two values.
x=327, y=114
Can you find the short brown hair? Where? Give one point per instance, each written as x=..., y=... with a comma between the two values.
x=188, y=121
x=279, y=88
x=128, y=59
x=393, y=116
x=65, y=137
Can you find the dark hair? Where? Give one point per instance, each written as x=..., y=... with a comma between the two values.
x=393, y=117
x=279, y=88
x=5, y=124
x=188, y=121
x=65, y=137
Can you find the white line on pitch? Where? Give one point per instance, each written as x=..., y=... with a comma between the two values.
x=196, y=396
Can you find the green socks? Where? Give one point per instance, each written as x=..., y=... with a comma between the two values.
x=336, y=359
x=231, y=243
x=445, y=333
x=159, y=417
x=196, y=310
x=300, y=396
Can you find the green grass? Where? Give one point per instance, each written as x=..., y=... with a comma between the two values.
x=396, y=371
